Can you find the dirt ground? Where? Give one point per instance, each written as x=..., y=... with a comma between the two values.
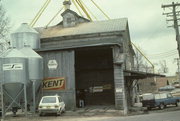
x=87, y=114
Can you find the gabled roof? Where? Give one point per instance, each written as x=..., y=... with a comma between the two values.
x=74, y=13
x=95, y=27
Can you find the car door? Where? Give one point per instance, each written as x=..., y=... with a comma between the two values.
x=170, y=98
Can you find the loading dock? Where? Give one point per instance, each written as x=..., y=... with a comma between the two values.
x=94, y=76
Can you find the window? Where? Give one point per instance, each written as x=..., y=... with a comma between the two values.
x=169, y=95
x=68, y=20
x=49, y=100
x=163, y=95
x=157, y=96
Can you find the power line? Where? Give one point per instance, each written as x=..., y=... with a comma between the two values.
x=163, y=54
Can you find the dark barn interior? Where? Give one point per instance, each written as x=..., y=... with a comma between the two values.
x=94, y=76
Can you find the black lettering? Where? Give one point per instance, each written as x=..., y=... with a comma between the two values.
x=50, y=84
x=45, y=84
x=56, y=83
x=60, y=82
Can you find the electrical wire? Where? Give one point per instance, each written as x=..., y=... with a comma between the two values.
x=164, y=56
x=163, y=53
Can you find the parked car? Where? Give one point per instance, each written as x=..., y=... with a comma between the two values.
x=160, y=100
x=176, y=84
x=176, y=92
x=166, y=88
x=51, y=104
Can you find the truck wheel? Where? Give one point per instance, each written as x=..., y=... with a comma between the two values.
x=176, y=104
x=161, y=106
x=59, y=113
x=64, y=110
x=40, y=114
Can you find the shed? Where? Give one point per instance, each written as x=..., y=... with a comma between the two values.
x=89, y=58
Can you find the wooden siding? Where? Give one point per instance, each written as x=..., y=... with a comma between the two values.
x=65, y=68
x=79, y=42
x=120, y=102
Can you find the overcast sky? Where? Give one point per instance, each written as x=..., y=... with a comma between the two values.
x=148, y=27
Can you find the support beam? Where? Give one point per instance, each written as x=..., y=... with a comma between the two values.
x=25, y=100
x=2, y=102
x=34, y=96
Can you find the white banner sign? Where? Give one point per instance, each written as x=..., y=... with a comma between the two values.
x=119, y=90
x=12, y=66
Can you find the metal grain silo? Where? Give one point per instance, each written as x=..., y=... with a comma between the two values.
x=35, y=63
x=14, y=77
x=14, y=66
x=23, y=35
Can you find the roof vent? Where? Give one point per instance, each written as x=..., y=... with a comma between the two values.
x=67, y=4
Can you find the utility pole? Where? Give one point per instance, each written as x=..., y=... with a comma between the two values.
x=178, y=64
x=174, y=17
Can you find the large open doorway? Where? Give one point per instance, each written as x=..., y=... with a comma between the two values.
x=94, y=76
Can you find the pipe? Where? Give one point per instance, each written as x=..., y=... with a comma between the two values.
x=144, y=56
x=101, y=10
x=34, y=97
x=2, y=101
x=77, y=8
x=54, y=17
x=33, y=22
x=25, y=100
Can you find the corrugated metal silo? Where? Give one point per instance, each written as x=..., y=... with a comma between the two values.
x=23, y=35
x=35, y=63
x=14, y=75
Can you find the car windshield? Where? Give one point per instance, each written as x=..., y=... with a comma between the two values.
x=49, y=100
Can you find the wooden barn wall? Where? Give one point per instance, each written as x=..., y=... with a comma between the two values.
x=78, y=42
x=120, y=97
x=65, y=68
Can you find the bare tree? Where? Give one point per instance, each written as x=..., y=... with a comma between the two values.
x=140, y=63
x=4, y=23
x=163, y=67
x=146, y=68
x=138, y=59
x=4, y=27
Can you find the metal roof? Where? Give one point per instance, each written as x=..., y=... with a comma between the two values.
x=13, y=52
x=141, y=75
x=94, y=27
x=24, y=28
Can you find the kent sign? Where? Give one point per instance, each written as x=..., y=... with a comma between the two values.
x=57, y=83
